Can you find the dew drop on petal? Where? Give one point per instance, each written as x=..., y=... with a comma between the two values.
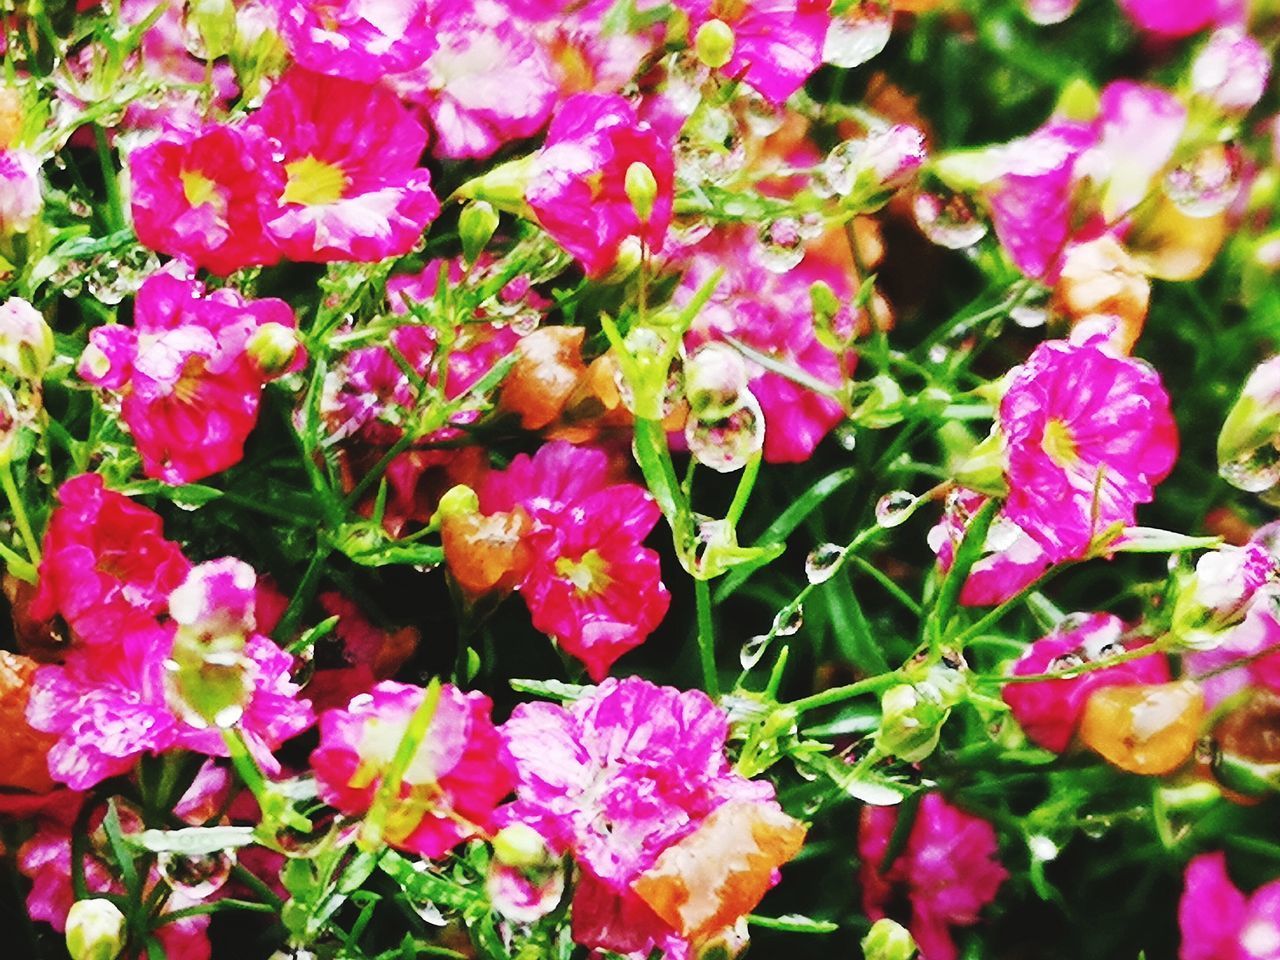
x=894, y=508
x=1208, y=183
x=727, y=443
x=822, y=562
x=781, y=244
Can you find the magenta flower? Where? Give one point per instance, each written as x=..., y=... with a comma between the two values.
x=777, y=44
x=204, y=194
x=353, y=189
x=191, y=371
x=20, y=195
x=1253, y=644
x=109, y=707
x=948, y=871
x=357, y=39
x=616, y=778
x=1089, y=435
x=772, y=312
x=1011, y=559
x=1231, y=70
x=577, y=181
x=1049, y=710
x=106, y=565
x=1139, y=128
x=591, y=585
x=487, y=84
x=452, y=784
x=1180, y=18
x=1217, y=920
x=1031, y=206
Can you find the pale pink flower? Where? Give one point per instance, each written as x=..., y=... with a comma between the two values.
x=1231, y=70
x=20, y=196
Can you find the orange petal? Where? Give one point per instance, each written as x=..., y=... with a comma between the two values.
x=1148, y=729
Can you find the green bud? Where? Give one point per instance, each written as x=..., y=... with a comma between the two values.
x=984, y=467
x=520, y=846
x=1078, y=101
x=503, y=187
x=215, y=20
x=458, y=501
x=1249, y=444
x=910, y=723
x=476, y=226
x=273, y=347
x=714, y=43
x=888, y=940
x=95, y=930
x=642, y=189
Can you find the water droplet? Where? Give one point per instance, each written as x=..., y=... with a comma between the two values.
x=1208, y=183
x=1093, y=827
x=1254, y=471
x=781, y=244
x=1048, y=12
x=727, y=443
x=858, y=34
x=753, y=650
x=822, y=562
x=948, y=219
x=762, y=118
x=686, y=76
x=894, y=508
x=847, y=436
x=1067, y=663
x=710, y=148
x=788, y=621
x=835, y=175
x=196, y=876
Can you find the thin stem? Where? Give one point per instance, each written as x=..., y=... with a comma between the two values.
x=836, y=694
x=706, y=638
x=115, y=205
x=19, y=512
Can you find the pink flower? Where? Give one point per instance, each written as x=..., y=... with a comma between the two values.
x=777, y=44
x=1217, y=920
x=204, y=194
x=1139, y=128
x=106, y=565
x=357, y=39
x=772, y=312
x=1254, y=644
x=1049, y=710
x=1031, y=198
x=577, y=181
x=20, y=196
x=1231, y=70
x=487, y=84
x=948, y=871
x=1011, y=558
x=109, y=707
x=1089, y=435
x=591, y=585
x=353, y=189
x=189, y=371
x=1180, y=18
x=616, y=778
x=453, y=782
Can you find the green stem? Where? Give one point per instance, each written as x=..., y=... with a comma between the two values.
x=836, y=694
x=115, y=205
x=706, y=638
x=19, y=512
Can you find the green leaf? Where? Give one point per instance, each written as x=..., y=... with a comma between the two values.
x=793, y=923
x=1153, y=540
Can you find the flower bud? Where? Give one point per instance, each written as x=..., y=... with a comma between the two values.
x=26, y=342
x=888, y=940
x=95, y=930
x=1231, y=71
x=20, y=198
x=519, y=845
x=910, y=723
x=1249, y=444
x=273, y=347
x=714, y=43
x=214, y=22
x=642, y=189
x=476, y=226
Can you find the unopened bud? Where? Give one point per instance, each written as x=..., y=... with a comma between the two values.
x=642, y=189
x=1231, y=71
x=20, y=197
x=910, y=723
x=476, y=226
x=888, y=940
x=1079, y=100
x=458, y=501
x=95, y=930
x=215, y=23
x=519, y=845
x=26, y=342
x=714, y=43
x=1249, y=444
x=273, y=347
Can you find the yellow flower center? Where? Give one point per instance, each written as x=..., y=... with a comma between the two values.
x=1059, y=445
x=313, y=182
x=590, y=574
x=199, y=189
